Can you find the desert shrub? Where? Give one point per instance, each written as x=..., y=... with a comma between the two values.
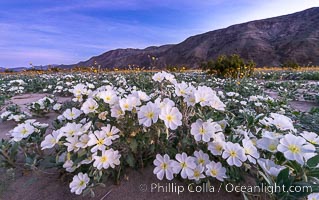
x=290, y=64
x=232, y=66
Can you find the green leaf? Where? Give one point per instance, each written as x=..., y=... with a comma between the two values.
x=133, y=145
x=313, y=172
x=130, y=160
x=283, y=177
x=313, y=162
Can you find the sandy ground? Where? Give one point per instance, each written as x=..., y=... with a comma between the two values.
x=39, y=185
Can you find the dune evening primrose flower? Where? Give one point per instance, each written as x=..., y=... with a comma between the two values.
x=79, y=183
x=204, y=130
x=71, y=114
x=185, y=165
x=171, y=117
x=201, y=158
x=108, y=158
x=163, y=167
x=111, y=132
x=216, y=170
x=250, y=150
x=148, y=114
x=51, y=140
x=89, y=106
x=22, y=131
x=234, y=153
x=313, y=196
x=294, y=147
x=270, y=167
x=311, y=137
x=216, y=147
x=98, y=140
x=198, y=173
x=71, y=129
x=204, y=95
x=280, y=121
x=268, y=144
x=109, y=96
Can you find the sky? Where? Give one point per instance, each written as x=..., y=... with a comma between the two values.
x=45, y=32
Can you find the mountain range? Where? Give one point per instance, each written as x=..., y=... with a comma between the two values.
x=268, y=42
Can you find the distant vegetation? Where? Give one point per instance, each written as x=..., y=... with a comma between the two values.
x=232, y=66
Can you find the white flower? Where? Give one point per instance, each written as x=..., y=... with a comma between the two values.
x=108, y=158
x=198, y=173
x=186, y=164
x=311, y=137
x=270, y=167
x=268, y=144
x=201, y=158
x=216, y=170
x=159, y=76
x=79, y=183
x=204, y=130
x=204, y=95
x=111, y=132
x=313, y=196
x=83, y=141
x=148, y=114
x=295, y=147
x=57, y=106
x=99, y=140
x=116, y=111
x=79, y=90
x=217, y=104
x=108, y=96
x=51, y=140
x=71, y=129
x=89, y=106
x=250, y=150
x=280, y=121
x=181, y=89
x=216, y=147
x=163, y=167
x=72, y=143
x=171, y=117
x=71, y=114
x=234, y=153
x=22, y=131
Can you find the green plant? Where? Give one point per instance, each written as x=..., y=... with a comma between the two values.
x=232, y=66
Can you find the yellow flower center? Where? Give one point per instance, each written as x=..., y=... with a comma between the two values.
x=233, y=153
x=104, y=159
x=196, y=173
x=100, y=142
x=164, y=166
x=202, y=131
x=109, y=134
x=24, y=131
x=53, y=141
x=293, y=148
x=219, y=148
x=169, y=118
x=183, y=165
x=81, y=183
x=107, y=98
x=150, y=115
x=272, y=147
x=126, y=106
x=213, y=172
x=201, y=161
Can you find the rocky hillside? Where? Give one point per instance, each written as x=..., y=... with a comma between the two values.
x=269, y=42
